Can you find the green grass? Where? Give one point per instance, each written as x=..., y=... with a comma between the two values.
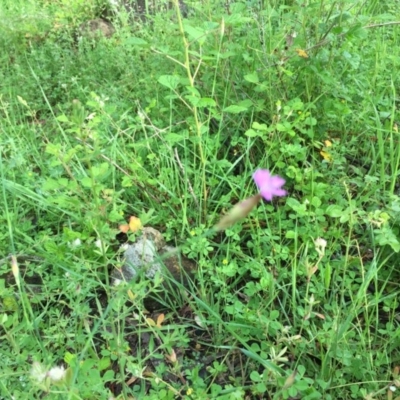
x=167, y=122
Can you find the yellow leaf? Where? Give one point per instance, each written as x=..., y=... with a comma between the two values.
x=302, y=53
x=328, y=143
x=326, y=156
x=172, y=356
x=131, y=295
x=290, y=380
x=135, y=224
x=311, y=271
x=15, y=269
x=160, y=320
x=150, y=322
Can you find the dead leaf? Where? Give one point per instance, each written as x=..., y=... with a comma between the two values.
x=160, y=320
x=124, y=228
x=133, y=379
x=321, y=316
x=172, y=356
x=290, y=380
x=311, y=271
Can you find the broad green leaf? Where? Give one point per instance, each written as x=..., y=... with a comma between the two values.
x=173, y=138
x=334, y=211
x=62, y=118
x=252, y=133
x=206, y=102
x=259, y=127
x=196, y=34
x=253, y=77
x=100, y=170
x=234, y=109
x=169, y=81
x=134, y=41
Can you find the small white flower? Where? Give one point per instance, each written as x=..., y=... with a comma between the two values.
x=124, y=247
x=320, y=245
x=38, y=372
x=98, y=244
x=56, y=374
x=76, y=243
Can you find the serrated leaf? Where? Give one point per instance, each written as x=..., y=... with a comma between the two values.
x=135, y=41
x=86, y=182
x=298, y=207
x=259, y=127
x=334, y=211
x=169, y=81
x=126, y=181
x=62, y=118
x=51, y=184
x=234, y=109
x=386, y=237
x=206, y=102
x=99, y=171
x=173, y=138
x=53, y=149
x=252, y=133
x=253, y=77
x=195, y=33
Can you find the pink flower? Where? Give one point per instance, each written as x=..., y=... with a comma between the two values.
x=269, y=185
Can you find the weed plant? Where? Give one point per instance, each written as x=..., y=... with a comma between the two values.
x=167, y=120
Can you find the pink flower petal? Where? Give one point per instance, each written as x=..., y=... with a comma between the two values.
x=269, y=185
